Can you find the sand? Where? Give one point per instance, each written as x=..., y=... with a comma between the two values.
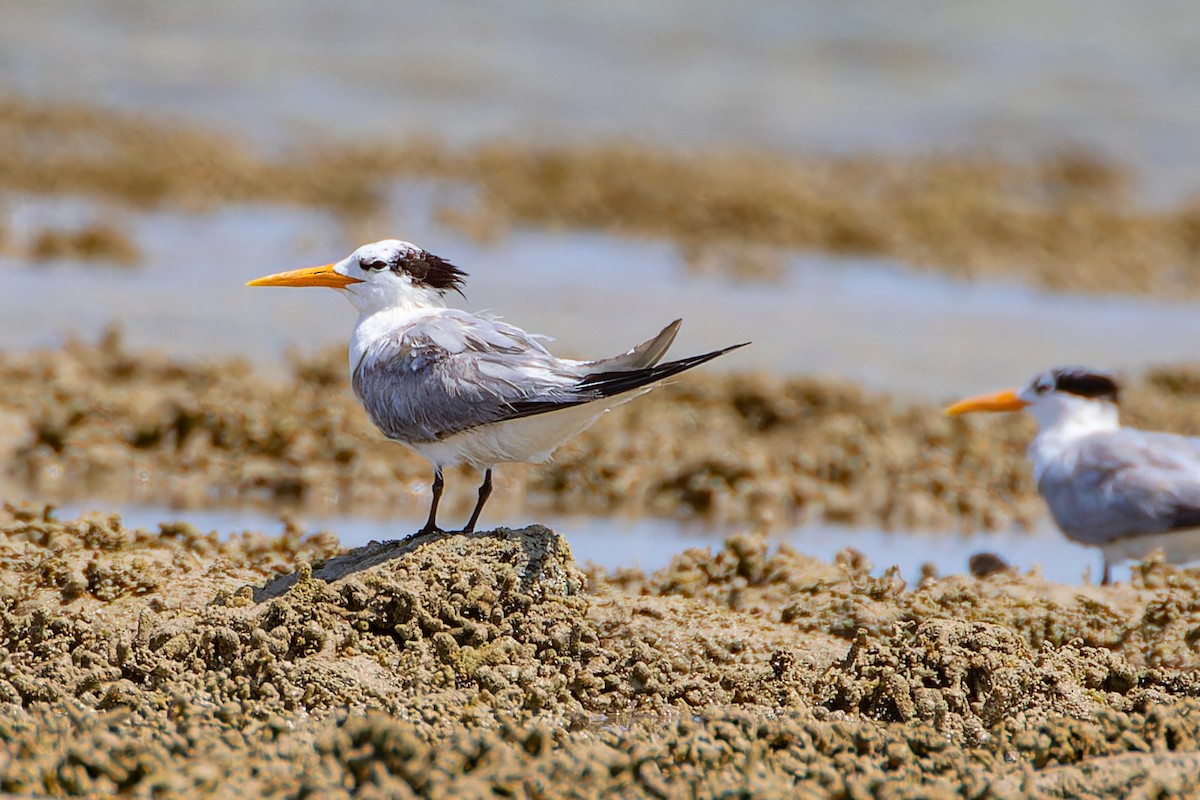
x=1068, y=221
x=171, y=664
x=101, y=421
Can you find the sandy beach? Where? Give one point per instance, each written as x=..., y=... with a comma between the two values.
x=170, y=663
x=897, y=210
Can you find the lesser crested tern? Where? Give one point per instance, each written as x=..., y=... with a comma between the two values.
x=464, y=388
x=1123, y=490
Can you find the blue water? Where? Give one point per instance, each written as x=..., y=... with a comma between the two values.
x=873, y=322
x=823, y=75
x=649, y=544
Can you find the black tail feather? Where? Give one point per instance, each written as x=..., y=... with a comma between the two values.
x=609, y=384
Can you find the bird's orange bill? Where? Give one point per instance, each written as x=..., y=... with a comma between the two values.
x=309, y=276
x=998, y=401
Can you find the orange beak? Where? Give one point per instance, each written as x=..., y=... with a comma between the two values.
x=998, y=401
x=310, y=276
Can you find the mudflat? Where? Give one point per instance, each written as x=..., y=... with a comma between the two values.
x=176, y=663
x=1068, y=221
x=169, y=663
x=99, y=421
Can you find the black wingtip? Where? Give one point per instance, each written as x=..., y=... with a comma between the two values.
x=609, y=384
x=613, y=383
x=695, y=361
x=703, y=357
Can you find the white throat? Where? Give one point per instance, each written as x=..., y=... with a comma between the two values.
x=1062, y=421
x=373, y=296
x=383, y=309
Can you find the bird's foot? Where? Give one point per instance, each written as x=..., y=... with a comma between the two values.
x=428, y=530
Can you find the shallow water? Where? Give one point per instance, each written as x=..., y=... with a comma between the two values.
x=820, y=76
x=649, y=544
x=917, y=336
x=1015, y=77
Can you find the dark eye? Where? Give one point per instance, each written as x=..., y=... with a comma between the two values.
x=373, y=264
x=1042, y=388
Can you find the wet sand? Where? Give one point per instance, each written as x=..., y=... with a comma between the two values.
x=1064, y=222
x=172, y=663
x=102, y=421
x=169, y=663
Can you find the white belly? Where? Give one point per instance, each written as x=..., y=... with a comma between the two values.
x=1178, y=547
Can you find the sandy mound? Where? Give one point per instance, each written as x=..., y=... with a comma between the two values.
x=100, y=421
x=175, y=664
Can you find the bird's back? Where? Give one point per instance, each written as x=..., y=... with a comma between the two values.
x=446, y=372
x=461, y=387
x=1114, y=484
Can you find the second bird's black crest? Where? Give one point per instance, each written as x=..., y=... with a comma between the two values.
x=1085, y=383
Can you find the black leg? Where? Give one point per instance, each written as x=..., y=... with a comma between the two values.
x=485, y=491
x=438, y=484
x=1107, y=579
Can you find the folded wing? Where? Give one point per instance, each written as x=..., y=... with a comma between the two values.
x=454, y=371
x=1128, y=482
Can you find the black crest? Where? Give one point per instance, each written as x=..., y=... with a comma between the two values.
x=429, y=270
x=424, y=268
x=1085, y=383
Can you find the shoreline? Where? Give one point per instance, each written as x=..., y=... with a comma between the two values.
x=177, y=664
x=100, y=421
x=1064, y=222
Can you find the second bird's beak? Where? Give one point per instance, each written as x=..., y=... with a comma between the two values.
x=309, y=276
x=998, y=401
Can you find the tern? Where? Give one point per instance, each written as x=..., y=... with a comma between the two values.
x=1123, y=490
x=463, y=388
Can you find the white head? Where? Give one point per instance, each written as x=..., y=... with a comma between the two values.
x=380, y=275
x=1065, y=398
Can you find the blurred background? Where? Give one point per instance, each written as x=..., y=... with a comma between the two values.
x=926, y=199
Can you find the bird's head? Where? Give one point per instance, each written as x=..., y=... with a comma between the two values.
x=1067, y=395
x=380, y=275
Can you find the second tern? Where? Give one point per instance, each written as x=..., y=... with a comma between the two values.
x=1124, y=490
x=463, y=388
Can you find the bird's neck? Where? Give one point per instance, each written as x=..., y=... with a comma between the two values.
x=376, y=298
x=376, y=323
x=1061, y=424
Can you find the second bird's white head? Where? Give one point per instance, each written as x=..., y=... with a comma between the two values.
x=1067, y=400
x=381, y=275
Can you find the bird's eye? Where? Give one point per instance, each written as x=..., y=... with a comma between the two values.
x=373, y=265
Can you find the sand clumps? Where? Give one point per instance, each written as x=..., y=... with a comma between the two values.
x=300, y=644
x=172, y=663
x=93, y=242
x=1064, y=222
x=102, y=421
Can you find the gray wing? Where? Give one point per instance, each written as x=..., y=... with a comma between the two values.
x=1126, y=482
x=453, y=371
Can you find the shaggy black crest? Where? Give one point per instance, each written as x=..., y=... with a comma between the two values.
x=1085, y=383
x=425, y=269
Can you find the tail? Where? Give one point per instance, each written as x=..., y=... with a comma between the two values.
x=607, y=384
x=646, y=354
